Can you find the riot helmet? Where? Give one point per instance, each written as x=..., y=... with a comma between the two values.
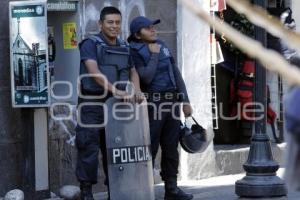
x=194, y=139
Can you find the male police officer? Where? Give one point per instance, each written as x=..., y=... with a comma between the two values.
x=164, y=87
x=99, y=71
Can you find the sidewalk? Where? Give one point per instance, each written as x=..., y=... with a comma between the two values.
x=216, y=188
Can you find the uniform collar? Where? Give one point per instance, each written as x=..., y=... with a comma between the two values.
x=106, y=41
x=142, y=49
x=137, y=45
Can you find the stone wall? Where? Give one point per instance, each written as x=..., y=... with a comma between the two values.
x=167, y=29
x=12, y=126
x=194, y=57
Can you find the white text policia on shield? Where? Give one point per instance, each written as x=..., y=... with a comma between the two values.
x=131, y=154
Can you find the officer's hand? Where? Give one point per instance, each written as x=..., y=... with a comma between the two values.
x=139, y=97
x=187, y=109
x=154, y=47
x=125, y=96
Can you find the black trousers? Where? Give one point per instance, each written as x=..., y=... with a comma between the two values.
x=88, y=142
x=295, y=60
x=164, y=131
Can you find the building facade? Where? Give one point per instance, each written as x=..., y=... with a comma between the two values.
x=185, y=35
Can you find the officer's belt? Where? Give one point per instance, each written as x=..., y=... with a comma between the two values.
x=91, y=93
x=93, y=96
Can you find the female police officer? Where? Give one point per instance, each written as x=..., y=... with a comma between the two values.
x=163, y=86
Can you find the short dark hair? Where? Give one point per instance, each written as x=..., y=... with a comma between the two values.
x=109, y=10
x=133, y=38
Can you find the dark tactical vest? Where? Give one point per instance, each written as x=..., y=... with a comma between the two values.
x=163, y=79
x=112, y=62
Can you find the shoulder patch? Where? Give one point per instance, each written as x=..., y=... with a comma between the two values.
x=166, y=51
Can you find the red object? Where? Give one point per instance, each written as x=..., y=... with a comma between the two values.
x=271, y=115
x=222, y=5
x=249, y=68
x=245, y=90
x=218, y=5
x=241, y=94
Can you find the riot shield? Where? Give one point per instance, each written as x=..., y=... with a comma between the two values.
x=128, y=151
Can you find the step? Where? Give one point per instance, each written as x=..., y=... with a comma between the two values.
x=221, y=160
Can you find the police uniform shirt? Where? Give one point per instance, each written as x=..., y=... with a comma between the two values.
x=88, y=49
x=162, y=80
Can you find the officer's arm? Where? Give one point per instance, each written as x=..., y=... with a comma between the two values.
x=147, y=72
x=100, y=78
x=180, y=85
x=186, y=108
x=134, y=77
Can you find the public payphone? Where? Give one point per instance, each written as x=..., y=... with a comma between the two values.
x=44, y=69
x=63, y=19
x=45, y=59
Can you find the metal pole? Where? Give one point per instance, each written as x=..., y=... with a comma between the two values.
x=260, y=179
x=35, y=148
x=28, y=150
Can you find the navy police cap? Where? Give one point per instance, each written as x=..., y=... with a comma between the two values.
x=141, y=22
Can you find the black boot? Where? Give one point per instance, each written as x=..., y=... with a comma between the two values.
x=86, y=191
x=107, y=185
x=172, y=192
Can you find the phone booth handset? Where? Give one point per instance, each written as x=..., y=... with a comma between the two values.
x=51, y=48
